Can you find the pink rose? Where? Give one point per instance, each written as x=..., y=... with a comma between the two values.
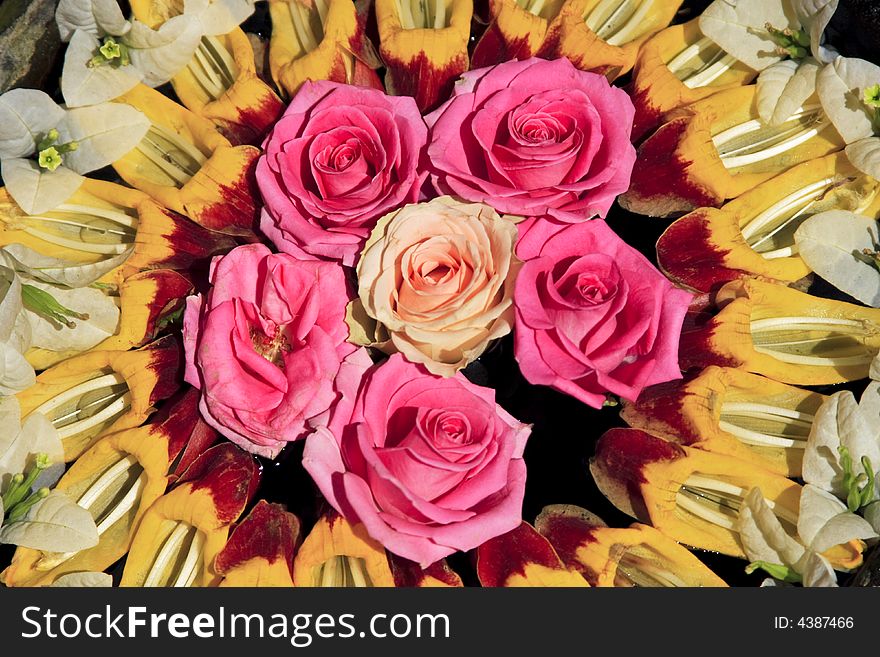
x=429, y=465
x=265, y=345
x=593, y=315
x=534, y=138
x=339, y=158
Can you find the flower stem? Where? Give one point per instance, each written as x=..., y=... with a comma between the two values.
x=42, y=303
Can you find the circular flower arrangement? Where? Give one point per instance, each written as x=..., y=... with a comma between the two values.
x=368, y=302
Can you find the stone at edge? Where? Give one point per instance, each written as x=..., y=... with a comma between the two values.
x=29, y=42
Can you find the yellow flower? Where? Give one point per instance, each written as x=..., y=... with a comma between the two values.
x=103, y=220
x=337, y=553
x=220, y=83
x=690, y=495
x=523, y=557
x=786, y=335
x=596, y=35
x=753, y=235
x=731, y=412
x=679, y=66
x=183, y=531
x=424, y=47
x=117, y=480
x=100, y=392
x=320, y=40
x=718, y=148
x=185, y=164
x=637, y=555
x=260, y=549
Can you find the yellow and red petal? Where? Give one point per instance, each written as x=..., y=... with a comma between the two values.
x=160, y=237
x=656, y=89
x=183, y=531
x=420, y=61
x=516, y=33
x=133, y=464
x=335, y=543
x=694, y=160
x=729, y=411
x=339, y=53
x=523, y=557
x=218, y=188
x=753, y=235
x=261, y=548
x=561, y=28
x=613, y=53
x=637, y=555
x=786, y=335
x=247, y=109
x=409, y=574
x=133, y=382
x=653, y=481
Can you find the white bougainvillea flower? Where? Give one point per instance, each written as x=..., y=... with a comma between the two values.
x=60, y=317
x=89, y=580
x=849, y=90
x=92, y=16
x=45, y=149
x=783, y=40
x=32, y=460
x=841, y=247
x=843, y=449
x=16, y=374
x=216, y=17
x=823, y=522
x=109, y=55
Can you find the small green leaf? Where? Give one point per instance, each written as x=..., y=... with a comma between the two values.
x=775, y=570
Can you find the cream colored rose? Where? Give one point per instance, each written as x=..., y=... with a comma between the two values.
x=437, y=280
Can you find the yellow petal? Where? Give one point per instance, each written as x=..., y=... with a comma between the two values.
x=409, y=574
x=784, y=334
x=332, y=538
x=116, y=390
x=660, y=484
x=98, y=222
x=657, y=89
x=212, y=182
x=424, y=60
x=696, y=158
x=637, y=555
x=103, y=219
x=732, y=412
x=596, y=35
x=261, y=548
x=118, y=479
x=299, y=51
x=182, y=533
x=753, y=235
x=522, y=557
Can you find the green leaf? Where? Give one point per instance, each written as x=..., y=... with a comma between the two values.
x=775, y=570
